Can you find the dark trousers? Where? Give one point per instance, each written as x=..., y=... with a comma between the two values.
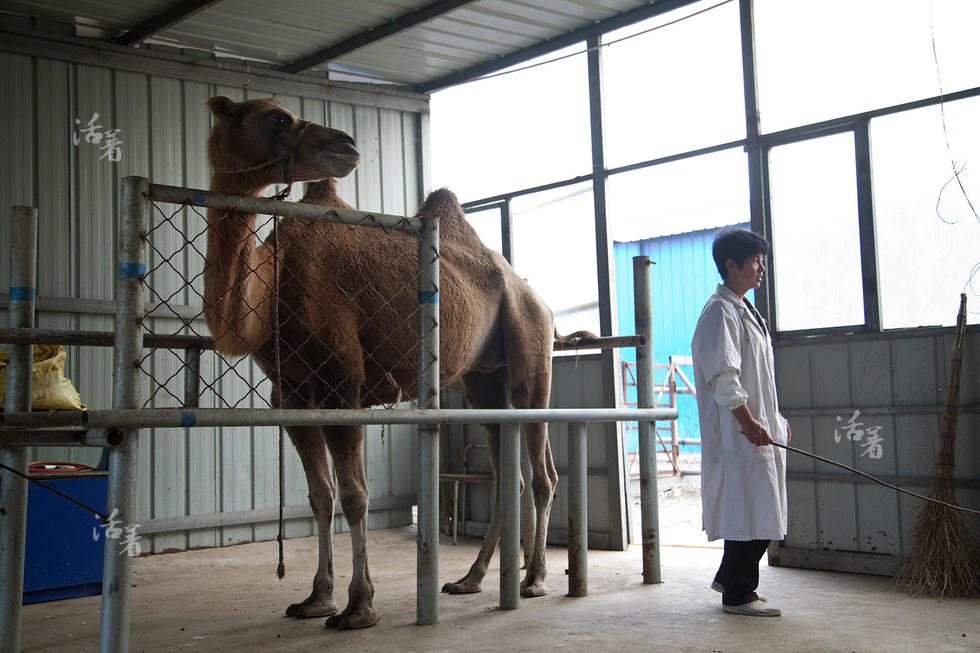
x=739, y=570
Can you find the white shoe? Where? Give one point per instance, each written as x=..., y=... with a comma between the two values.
x=718, y=587
x=752, y=609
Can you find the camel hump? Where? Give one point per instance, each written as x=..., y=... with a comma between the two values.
x=441, y=203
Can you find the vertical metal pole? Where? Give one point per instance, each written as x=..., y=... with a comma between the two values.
x=757, y=154
x=510, y=516
x=649, y=518
x=118, y=569
x=427, y=588
x=674, y=447
x=192, y=377
x=866, y=226
x=506, y=229
x=13, y=493
x=578, y=511
x=611, y=391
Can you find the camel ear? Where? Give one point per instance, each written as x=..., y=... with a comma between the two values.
x=222, y=107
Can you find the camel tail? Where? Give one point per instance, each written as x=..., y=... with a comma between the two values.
x=573, y=338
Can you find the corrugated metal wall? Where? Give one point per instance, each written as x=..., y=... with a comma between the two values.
x=897, y=382
x=164, y=125
x=682, y=279
x=576, y=383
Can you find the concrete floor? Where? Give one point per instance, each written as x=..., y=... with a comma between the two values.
x=229, y=599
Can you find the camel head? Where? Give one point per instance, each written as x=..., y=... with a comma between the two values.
x=260, y=143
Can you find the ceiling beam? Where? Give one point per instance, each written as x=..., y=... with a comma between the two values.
x=375, y=34
x=496, y=64
x=162, y=21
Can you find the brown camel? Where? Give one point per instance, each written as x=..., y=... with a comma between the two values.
x=348, y=336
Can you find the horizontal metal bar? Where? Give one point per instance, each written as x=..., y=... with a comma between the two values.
x=373, y=34
x=875, y=410
x=834, y=335
x=847, y=123
x=177, y=418
x=187, y=313
x=607, y=342
x=856, y=562
x=257, y=516
x=100, y=338
x=88, y=438
x=226, y=202
x=476, y=205
x=179, y=341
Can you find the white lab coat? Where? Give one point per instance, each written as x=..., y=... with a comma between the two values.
x=743, y=487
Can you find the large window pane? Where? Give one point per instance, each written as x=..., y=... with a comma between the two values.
x=818, y=60
x=487, y=226
x=679, y=197
x=513, y=131
x=816, y=251
x=927, y=234
x=673, y=89
x=554, y=249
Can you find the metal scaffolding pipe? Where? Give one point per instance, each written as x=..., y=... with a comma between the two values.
x=186, y=341
x=649, y=518
x=192, y=377
x=117, y=574
x=226, y=202
x=427, y=578
x=510, y=516
x=145, y=418
x=578, y=510
x=95, y=438
x=13, y=493
x=604, y=342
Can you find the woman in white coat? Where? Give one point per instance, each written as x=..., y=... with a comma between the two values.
x=743, y=479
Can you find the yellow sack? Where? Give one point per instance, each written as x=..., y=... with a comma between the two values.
x=50, y=390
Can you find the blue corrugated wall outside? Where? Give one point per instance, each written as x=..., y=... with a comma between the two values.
x=681, y=281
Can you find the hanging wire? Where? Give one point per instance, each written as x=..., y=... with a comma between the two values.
x=619, y=40
x=942, y=114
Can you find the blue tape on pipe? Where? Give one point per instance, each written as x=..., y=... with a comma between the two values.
x=644, y=322
x=429, y=297
x=131, y=270
x=22, y=294
x=187, y=419
x=197, y=198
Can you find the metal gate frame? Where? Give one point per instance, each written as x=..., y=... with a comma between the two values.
x=119, y=427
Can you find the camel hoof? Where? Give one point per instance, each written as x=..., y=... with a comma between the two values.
x=310, y=609
x=530, y=590
x=461, y=588
x=364, y=617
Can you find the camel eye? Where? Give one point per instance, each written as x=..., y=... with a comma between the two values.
x=278, y=121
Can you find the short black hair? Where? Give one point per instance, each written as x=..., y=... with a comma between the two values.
x=738, y=245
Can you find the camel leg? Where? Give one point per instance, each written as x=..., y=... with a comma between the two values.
x=345, y=447
x=485, y=391
x=313, y=454
x=543, y=484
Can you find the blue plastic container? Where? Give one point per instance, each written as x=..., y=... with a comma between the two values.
x=63, y=559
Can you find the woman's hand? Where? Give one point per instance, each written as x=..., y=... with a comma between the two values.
x=750, y=427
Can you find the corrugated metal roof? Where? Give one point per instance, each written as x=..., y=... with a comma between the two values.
x=428, y=49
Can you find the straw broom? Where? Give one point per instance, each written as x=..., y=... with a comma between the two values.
x=944, y=552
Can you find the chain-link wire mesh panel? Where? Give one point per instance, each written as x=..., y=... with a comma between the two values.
x=327, y=311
